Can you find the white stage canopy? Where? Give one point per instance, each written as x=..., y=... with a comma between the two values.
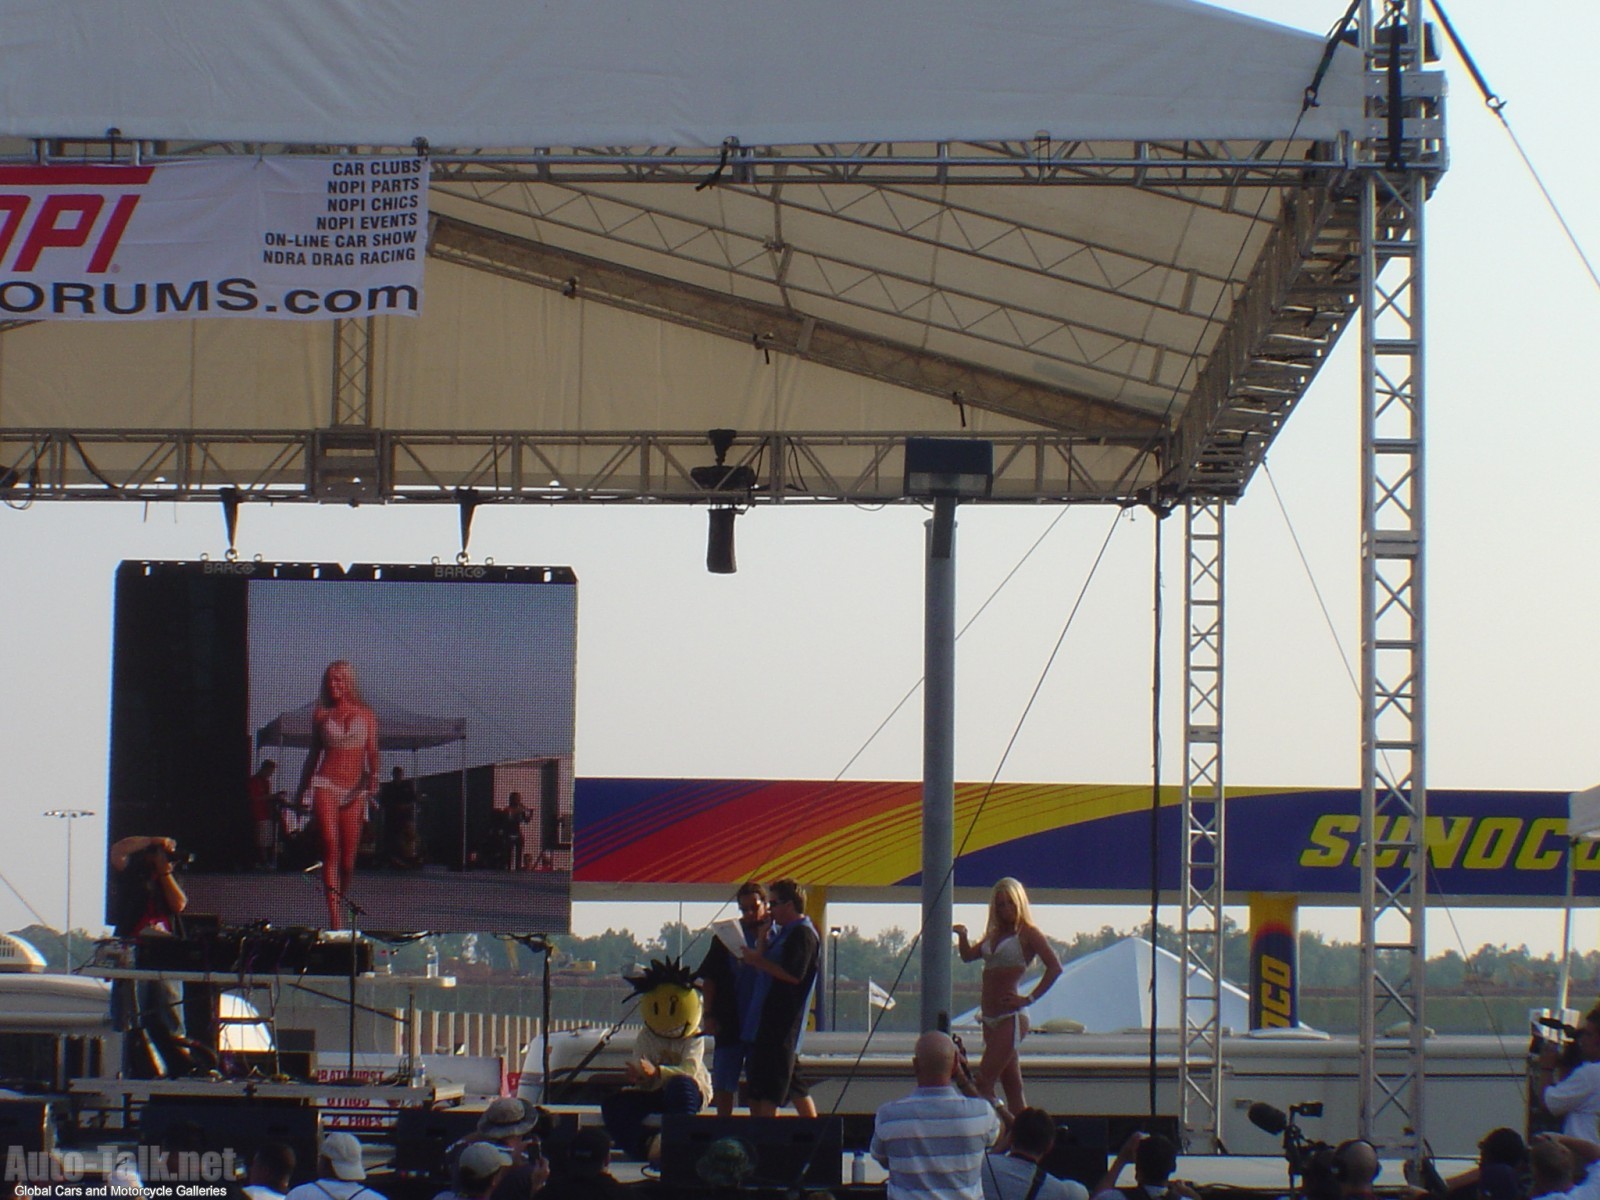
x=502, y=73
x=1109, y=236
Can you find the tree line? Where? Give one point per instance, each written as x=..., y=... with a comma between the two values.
x=1487, y=990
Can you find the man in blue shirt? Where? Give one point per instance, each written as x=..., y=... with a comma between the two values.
x=933, y=1141
x=1018, y=1173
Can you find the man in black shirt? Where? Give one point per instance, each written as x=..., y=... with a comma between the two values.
x=787, y=962
x=729, y=990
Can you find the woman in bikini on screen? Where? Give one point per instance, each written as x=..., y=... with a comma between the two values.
x=1010, y=945
x=340, y=774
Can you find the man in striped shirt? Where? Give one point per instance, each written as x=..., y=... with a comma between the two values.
x=933, y=1141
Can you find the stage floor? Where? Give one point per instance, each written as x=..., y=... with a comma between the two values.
x=433, y=898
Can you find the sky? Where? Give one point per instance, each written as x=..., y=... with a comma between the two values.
x=788, y=668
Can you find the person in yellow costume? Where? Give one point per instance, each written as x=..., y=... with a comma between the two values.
x=667, y=1070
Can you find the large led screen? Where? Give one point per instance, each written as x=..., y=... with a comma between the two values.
x=387, y=748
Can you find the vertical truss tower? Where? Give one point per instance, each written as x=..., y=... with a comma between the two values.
x=1402, y=154
x=1200, y=1044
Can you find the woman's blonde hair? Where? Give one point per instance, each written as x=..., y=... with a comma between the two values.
x=1019, y=898
x=342, y=665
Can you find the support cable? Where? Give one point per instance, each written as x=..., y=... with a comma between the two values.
x=1316, y=589
x=784, y=837
x=1434, y=890
x=983, y=800
x=1332, y=43
x=36, y=916
x=1497, y=105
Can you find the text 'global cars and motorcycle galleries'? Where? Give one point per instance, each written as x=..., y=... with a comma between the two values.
x=297, y=238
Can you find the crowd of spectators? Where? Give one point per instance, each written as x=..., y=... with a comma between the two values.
x=941, y=1141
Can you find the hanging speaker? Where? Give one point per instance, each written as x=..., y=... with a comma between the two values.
x=719, y=542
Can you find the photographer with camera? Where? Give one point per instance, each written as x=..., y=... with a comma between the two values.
x=1570, y=1079
x=145, y=902
x=1154, y=1159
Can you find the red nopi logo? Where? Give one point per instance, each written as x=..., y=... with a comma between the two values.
x=65, y=208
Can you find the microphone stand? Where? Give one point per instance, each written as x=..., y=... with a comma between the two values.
x=541, y=944
x=354, y=910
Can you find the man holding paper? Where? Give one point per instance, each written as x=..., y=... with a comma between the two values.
x=785, y=968
x=729, y=988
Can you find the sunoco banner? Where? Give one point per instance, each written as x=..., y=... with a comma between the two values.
x=293, y=238
x=1090, y=839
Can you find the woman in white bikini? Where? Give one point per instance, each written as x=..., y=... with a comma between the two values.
x=1010, y=945
x=340, y=774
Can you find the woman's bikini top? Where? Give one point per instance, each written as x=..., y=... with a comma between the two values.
x=343, y=735
x=1008, y=953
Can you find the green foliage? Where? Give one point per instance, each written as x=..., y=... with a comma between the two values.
x=1488, y=989
x=612, y=952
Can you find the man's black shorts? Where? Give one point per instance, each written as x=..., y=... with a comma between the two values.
x=771, y=1075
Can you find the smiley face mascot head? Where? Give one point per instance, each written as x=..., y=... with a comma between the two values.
x=667, y=1000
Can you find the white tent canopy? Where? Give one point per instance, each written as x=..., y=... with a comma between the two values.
x=1108, y=236
x=586, y=73
x=1109, y=991
x=1583, y=813
x=398, y=728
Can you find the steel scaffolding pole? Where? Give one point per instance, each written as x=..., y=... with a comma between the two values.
x=1393, y=777
x=352, y=372
x=1199, y=1048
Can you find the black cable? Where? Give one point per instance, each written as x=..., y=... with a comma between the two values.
x=988, y=791
x=1329, y=47
x=1155, y=805
x=1489, y=97
x=729, y=145
x=1497, y=106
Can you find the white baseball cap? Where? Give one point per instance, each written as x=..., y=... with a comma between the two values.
x=343, y=1152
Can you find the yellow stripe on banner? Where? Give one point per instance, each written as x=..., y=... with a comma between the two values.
x=887, y=847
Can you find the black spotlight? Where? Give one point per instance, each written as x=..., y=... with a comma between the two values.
x=719, y=542
x=723, y=478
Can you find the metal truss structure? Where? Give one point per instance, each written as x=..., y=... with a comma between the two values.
x=1393, y=751
x=1201, y=927
x=355, y=462
x=1201, y=385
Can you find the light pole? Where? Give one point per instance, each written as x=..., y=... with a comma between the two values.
x=946, y=471
x=833, y=962
x=69, y=815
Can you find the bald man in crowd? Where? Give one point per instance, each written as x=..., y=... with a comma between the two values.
x=933, y=1141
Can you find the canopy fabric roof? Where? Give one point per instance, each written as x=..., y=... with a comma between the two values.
x=500, y=73
x=398, y=729
x=1107, y=235
x=1583, y=814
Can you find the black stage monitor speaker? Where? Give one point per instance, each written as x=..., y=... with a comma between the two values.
x=1085, y=1144
x=785, y=1151
x=240, y=1125
x=1119, y=1127
x=421, y=1136
x=1082, y=1150
x=26, y=1125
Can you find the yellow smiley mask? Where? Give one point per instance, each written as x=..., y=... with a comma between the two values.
x=668, y=1002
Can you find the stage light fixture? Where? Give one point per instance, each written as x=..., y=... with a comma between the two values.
x=961, y=468
x=347, y=464
x=723, y=478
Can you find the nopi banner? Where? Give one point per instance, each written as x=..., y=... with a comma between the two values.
x=292, y=238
